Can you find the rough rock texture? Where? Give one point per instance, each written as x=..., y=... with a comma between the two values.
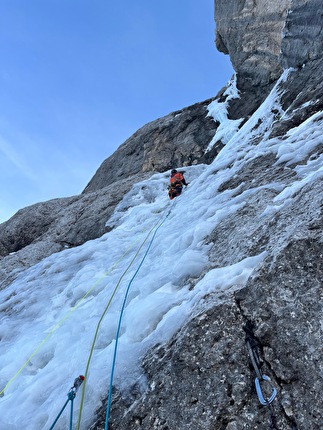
x=264, y=38
x=203, y=378
x=38, y=231
x=302, y=96
x=177, y=139
x=251, y=32
x=302, y=41
x=206, y=380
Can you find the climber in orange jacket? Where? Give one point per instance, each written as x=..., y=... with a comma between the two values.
x=177, y=181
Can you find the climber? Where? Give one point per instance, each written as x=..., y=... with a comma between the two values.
x=177, y=181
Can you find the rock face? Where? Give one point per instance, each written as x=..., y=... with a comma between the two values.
x=251, y=33
x=302, y=41
x=177, y=139
x=39, y=230
x=264, y=38
x=206, y=380
x=203, y=378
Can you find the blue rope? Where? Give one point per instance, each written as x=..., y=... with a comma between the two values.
x=70, y=397
x=71, y=415
x=60, y=413
x=120, y=320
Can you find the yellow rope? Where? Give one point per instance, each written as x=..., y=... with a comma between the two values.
x=101, y=319
x=60, y=322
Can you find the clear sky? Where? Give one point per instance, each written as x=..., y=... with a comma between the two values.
x=78, y=77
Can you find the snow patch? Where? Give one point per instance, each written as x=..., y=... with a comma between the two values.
x=219, y=112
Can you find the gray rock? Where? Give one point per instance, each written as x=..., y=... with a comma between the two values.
x=37, y=231
x=264, y=38
x=251, y=33
x=203, y=378
x=178, y=139
x=303, y=38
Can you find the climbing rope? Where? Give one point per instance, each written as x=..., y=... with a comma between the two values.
x=120, y=320
x=70, y=398
x=72, y=392
x=261, y=379
x=156, y=227
x=64, y=318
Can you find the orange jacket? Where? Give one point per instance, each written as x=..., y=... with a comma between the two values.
x=177, y=177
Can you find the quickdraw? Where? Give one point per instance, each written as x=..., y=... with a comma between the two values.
x=261, y=379
x=70, y=398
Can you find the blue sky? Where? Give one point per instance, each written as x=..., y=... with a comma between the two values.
x=78, y=77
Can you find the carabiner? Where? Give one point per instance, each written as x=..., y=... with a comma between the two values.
x=261, y=397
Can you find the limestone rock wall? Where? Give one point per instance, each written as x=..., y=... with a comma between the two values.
x=251, y=33
x=302, y=35
x=177, y=139
x=263, y=38
x=203, y=378
x=38, y=231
